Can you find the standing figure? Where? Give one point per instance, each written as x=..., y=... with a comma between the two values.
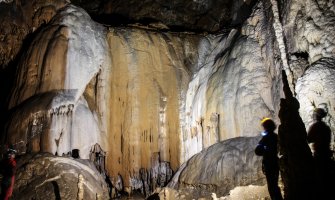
x=267, y=147
x=8, y=168
x=319, y=137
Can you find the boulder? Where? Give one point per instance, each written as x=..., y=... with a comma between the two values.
x=44, y=176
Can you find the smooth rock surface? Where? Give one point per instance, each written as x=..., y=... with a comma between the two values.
x=220, y=168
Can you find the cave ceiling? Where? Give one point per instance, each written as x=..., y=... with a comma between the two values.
x=199, y=15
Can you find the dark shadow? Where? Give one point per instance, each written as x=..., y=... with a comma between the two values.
x=303, y=55
x=56, y=190
x=296, y=162
x=154, y=196
x=8, y=78
x=244, y=12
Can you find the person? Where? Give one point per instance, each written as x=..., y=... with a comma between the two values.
x=8, y=168
x=319, y=138
x=267, y=147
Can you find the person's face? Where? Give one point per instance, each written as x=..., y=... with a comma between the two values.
x=11, y=156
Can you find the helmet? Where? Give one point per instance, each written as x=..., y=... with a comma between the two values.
x=10, y=150
x=268, y=124
x=319, y=113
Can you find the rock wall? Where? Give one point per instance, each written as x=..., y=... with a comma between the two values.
x=219, y=107
x=19, y=19
x=308, y=28
x=51, y=79
x=153, y=98
x=139, y=89
x=149, y=74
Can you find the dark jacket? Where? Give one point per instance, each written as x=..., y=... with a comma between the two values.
x=320, y=134
x=267, y=147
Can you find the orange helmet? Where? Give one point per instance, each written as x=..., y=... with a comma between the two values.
x=268, y=124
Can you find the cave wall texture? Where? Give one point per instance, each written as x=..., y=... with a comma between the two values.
x=164, y=82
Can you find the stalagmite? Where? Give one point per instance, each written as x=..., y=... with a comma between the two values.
x=296, y=164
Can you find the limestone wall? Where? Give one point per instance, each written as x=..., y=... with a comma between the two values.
x=153, y=98
x=309, y=27
x=149, y=77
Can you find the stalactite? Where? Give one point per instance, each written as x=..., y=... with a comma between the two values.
x=278, y=28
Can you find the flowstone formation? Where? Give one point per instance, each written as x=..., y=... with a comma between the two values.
x=219, y=107
x=316, y=88
x=308, y=27
x=48, y=95
x=151, y=95
x=19, y=22
x=149, y=74
x=44, y=176
x=219, y=168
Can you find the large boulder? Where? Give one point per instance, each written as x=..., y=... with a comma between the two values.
x=220, y=168
x=44, y=176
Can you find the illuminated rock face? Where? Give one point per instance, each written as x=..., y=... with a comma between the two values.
x=148, y=80
x=234, y=88
x=150, y=99
x=153, y=99
x=79, y=84
x=309, y=28
x=52, y=77
x=316, y=88
x=219, y=168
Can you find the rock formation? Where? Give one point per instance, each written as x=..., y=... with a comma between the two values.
x=308, y=26
x=296, y=164
x=19, y=22
x=218, y=107
x=51, y=79
x=44, y=176
x=149, y=74
x=152, y=95
x=219, y=168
